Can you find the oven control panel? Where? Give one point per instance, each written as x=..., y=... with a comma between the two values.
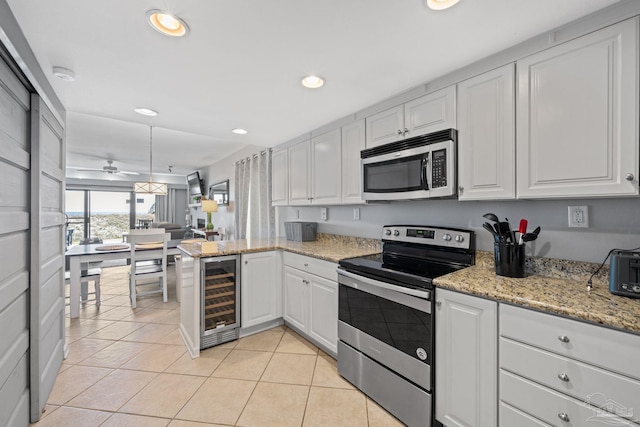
x=434, y=236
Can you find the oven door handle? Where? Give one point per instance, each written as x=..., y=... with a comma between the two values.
x=370, y=282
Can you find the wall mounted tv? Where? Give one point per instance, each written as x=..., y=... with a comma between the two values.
x=195, y=184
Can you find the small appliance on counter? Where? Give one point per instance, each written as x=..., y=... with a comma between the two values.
x=300, y=231
x=624, y=274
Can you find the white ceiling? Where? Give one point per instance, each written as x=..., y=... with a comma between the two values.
x=242, y=62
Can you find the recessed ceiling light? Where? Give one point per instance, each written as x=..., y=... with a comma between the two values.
x=64, y=74
x=146, y=111
x=313, y=82
x=440, y=4
x=167, y=23
x=239, y=131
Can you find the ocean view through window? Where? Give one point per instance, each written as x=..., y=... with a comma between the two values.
x=105, y=214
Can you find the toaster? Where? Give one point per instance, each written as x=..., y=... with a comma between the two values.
x=624, y=274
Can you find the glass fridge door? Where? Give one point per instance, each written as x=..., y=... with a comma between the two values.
x=220, y=294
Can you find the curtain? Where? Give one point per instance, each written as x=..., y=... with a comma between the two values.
x=166, y=207
x=254, y=215
x=241, y=196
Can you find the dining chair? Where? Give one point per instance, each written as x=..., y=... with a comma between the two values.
x=145, y=266
x=86, y=276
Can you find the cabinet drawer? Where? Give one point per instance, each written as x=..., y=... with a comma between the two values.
x=581, y=381
x=607, y=348
x=510, y=417
x=551, y=407
x=311, y=265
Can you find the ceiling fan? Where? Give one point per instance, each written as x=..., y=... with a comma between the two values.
x=109, y=169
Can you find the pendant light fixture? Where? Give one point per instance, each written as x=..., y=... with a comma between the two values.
x=150, y=187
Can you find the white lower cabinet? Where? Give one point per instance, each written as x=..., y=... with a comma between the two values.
x=310, y=296
x=565, y=372
x=466, y=362
x=260, y=289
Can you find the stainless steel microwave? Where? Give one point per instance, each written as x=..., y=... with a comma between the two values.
x=422, y=167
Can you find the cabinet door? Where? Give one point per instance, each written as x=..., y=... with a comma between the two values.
x=577, y=118
x=486, y=136
x=466, y=360
x=353, y=141
x=385, y=127
x=279, y=180
x=430, y=113
x=295, y=297
x=323, y=311
x=326, y=182
x=299, y=173
x=260, y=291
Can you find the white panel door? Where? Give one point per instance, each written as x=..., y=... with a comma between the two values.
x=385, y=127
x=326, y=180
x=323, y=311
x=430, y=113
x=47, y=252
x=353, y=141
x=577, y=120
x=295, y=297
x=487, y=136
x=279, y=181
x=15, y=149
x=300, y=173
x=260, y=290
x=466, y=360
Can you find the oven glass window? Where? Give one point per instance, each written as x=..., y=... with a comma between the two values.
x=402, y=327
x=394, y=175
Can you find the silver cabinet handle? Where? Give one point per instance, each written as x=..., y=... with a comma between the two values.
x=563, y=377
x=306, y=265
x=564, y=417
x=461, y=189
x=399, y=132
x=246, y=262
x=629, y=177
x=438, y=304
x=406, y=131
x=563, y=338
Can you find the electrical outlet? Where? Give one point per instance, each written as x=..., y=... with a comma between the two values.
x=356, y=214
x=297, y=213
x=323, y=213
x=579, y=216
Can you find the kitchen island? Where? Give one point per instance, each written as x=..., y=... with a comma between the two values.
x=280, y=281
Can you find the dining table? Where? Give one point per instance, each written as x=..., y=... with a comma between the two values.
x=80, y=255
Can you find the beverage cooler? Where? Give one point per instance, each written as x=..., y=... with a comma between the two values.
x=220, y=300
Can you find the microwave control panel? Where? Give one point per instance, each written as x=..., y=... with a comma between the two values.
x=439, y=169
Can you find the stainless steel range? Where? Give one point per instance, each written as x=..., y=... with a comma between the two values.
x=385, y=327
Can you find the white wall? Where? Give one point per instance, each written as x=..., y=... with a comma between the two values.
x=222, y=170
x=614, y=223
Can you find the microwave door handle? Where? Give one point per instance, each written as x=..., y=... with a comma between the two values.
x=424, y=172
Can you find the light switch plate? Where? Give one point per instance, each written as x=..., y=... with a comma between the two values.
x=356, y=214
x=323, y=213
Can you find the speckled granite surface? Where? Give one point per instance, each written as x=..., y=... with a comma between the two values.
x=553, y=286
x=328, y=247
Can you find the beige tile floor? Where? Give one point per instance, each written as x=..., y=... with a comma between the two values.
x=129, y=367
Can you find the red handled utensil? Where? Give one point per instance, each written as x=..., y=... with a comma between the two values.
x=522, y=230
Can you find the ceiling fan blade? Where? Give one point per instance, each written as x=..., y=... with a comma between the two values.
x=128, y=173
x=87, y=170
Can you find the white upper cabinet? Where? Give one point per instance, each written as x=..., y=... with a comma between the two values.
x=353, y=141
x=486, y=136
x=279, y=179
x=577, y=120
x=385, y=127
x=429, y=113
x=300, y=173
x=326, y=182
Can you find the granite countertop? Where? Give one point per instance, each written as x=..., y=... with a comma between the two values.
x=327, y=247
x=550, y=285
